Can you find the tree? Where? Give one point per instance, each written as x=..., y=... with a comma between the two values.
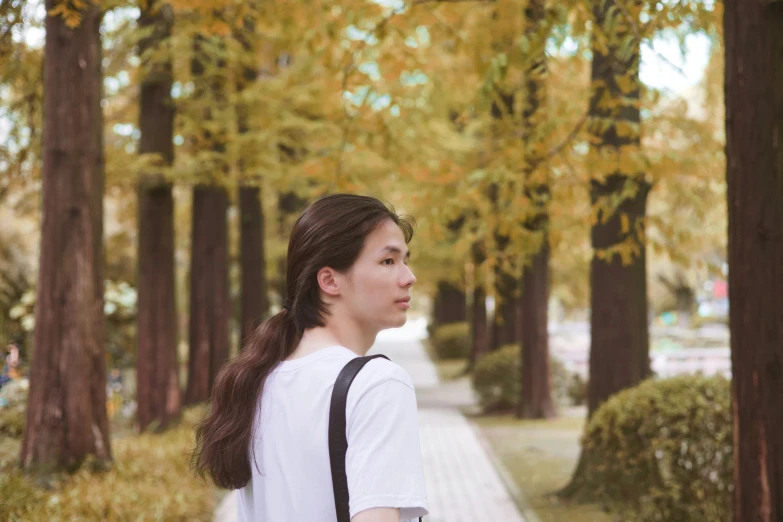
x=209, y=296
x=618, y=193
x=618, y=319
x=254, y=299
x=536, y=400
x=66, y=414
x=754, y=170
x=157, y=375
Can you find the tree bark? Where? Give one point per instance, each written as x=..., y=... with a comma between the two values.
x=754, y=172
x=66, y=413
x=157, y=377
x=537, y=402
x=536, y=391
x=255, y=303
x=209, y=299
x=450, y=304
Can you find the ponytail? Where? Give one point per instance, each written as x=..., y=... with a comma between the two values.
x=223, y=436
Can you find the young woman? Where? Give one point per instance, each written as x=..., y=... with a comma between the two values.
x=267, y=429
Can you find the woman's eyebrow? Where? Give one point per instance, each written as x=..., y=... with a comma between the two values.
x=396, y=250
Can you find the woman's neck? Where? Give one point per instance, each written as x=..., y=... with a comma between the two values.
x=320, y=337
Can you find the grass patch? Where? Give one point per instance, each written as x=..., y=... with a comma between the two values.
x=149, y=480
x=540, y=457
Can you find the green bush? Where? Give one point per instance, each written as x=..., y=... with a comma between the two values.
x=497, y=378
x=13, y=408
x=577, y=390
x=663, y=450
x=149, y=480
x=452, y=341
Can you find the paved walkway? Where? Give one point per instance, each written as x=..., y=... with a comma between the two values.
x=462, y=483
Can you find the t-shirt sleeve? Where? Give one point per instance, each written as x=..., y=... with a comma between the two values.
x=383, y=463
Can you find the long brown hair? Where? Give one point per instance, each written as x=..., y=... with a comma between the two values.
x=330, y=232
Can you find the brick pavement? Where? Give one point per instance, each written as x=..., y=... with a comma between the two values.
x=462, y=483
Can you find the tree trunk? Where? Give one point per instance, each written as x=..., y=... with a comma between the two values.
x=288, y=204
x=209, y=301
x=254, y=299
x=537, y=402
x=479, y=330
x=618, y=320
x=618, y=300
x=255, y=303
x=450, y=304
x=536, y=390
x=506, y=324
x=157, y=377
x=754, y=161
x=618, y=326
x=66, y=413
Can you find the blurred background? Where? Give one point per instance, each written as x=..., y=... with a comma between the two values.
x=565, y=164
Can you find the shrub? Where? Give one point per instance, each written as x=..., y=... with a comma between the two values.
x=452, y=341
x=663, y=450
x=577, y=390
x=497, y=378
x=149, y=480
x=13, y=408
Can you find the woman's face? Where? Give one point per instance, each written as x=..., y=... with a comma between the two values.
x=379, y=279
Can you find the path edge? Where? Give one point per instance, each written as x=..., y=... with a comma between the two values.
x=516, y=494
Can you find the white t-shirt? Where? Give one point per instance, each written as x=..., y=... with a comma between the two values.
x=291, y=476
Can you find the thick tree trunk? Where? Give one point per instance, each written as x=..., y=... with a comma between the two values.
x=209, y=300
x=255, y=303
x=618, y=320
x=536, y=390
x=66, y=413
x=157, y=388
x=619, y=335
x=754, y=160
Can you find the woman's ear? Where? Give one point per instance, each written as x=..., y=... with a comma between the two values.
x=330, y=281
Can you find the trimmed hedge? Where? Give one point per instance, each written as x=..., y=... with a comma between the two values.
x=497, y=378
x=663, y=450
x=452, y=341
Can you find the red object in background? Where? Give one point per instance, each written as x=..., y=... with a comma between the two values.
x=720, y=289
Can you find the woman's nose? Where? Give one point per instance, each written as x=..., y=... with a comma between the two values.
x=408, y=279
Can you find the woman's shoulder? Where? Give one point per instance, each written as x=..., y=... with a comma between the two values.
x=379, y=371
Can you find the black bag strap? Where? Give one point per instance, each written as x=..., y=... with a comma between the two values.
x=338, y=441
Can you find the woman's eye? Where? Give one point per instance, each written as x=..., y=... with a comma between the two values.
x=390, y=259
